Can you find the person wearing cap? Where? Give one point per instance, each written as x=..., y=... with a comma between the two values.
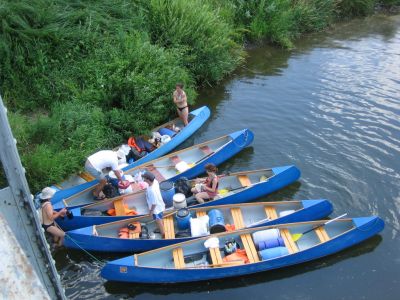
x=154, y=200
x=100, y=164
x=49, y=215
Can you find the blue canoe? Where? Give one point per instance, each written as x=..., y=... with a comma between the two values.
x=105, y=238
x=170, y=264
x=234, y=188
x=193, y=159
x=84, y=180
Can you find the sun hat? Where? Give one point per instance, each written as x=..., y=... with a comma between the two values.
x=47, y=193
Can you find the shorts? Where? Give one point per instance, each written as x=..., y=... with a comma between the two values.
x=93, y=171
x=158, y=216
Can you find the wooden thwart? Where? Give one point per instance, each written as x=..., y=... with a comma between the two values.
x=156, y=173
x=133, y=234
x=237, y=218
x=251, y=251
x=119, y=207
x=244, y=180
x=179, y=260
x=206, y=150
x=289, y=242
x=86, y=176
x=271, y=212
x=216, y=257
x=169, y=227
x=322, y=234
x=200, y=213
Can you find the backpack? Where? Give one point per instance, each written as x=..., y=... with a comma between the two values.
x=183, y=186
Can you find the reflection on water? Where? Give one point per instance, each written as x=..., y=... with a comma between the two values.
x=332, y=108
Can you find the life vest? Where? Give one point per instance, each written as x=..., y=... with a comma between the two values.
x=132, y=143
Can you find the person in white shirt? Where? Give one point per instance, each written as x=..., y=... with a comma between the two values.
x=155, y=200
x=100, y=164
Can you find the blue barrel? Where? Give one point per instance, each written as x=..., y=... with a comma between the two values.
x=216, y=222
x=271, y=243
x=167, y=190
x=183, y=218
x=273, y=252
x=166, y=131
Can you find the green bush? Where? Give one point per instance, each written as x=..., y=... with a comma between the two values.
x=351, y=8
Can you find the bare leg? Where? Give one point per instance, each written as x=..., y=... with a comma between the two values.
x=99, y=187
x=200, y=197
x=160, y=225
x=185, y=115
x=57, y=234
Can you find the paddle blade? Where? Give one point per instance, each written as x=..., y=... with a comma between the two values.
x=223, y=191
x=296, y=236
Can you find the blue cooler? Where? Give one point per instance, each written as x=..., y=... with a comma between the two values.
x=273, y=252
x=182, y=217
x=167, y=190
x=216, y=222
x=166, y=131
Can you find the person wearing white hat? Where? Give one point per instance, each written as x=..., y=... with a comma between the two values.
x=99, y=164
x=49, y=215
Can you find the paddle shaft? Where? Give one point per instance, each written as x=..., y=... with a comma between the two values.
x=323, y=224
x=166, y=216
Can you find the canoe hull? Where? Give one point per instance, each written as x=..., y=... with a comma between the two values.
x=83, y=238
x=283, y=177
x=124, y=270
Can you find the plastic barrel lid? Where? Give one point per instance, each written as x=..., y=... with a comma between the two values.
x=183, y=212
x=166, y=185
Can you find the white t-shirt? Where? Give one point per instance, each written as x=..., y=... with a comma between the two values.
x=153, y=197
x=104, y=159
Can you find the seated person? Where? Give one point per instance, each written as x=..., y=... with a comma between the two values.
x=207, y=189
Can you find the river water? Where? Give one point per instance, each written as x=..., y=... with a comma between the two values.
x=332, y=108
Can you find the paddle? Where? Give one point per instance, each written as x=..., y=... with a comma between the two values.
x=211, y=153
x=298, y=236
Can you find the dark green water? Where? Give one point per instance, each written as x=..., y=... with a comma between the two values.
x=331, y=107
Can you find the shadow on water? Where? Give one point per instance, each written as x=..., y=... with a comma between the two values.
x=132, y=290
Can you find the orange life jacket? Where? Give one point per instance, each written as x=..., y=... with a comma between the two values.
x=132, y=143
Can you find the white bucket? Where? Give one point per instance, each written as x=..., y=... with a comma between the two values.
x=179, y=201
x=286, y=212
x=264, y=235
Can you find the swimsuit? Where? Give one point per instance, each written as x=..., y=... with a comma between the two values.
x=45, y=227
x=182, y=108
x=209, y=184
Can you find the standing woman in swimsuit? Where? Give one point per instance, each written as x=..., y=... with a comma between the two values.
x=181, y=103
x=49, y=215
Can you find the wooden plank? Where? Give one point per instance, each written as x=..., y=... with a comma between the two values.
x=119, y=207
x=86, y=176
x=133, y=234
x=322, y=234
x=271, y=212
x=179, y=260
x=244, y=180
x=216, y=256
x=156, y=173
x=206, y=150
x=169, y=227
x=250, y=248
x=201, y=213
x=288, y=240
x=237, y=217
x=175, y=159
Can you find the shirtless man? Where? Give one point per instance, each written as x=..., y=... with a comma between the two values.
x=49, y=215
x=181, y=103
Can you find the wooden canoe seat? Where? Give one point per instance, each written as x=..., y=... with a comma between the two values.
x=200, y=213
x=216, y=256
x=156, y=173
x=86, y=176
x=169, y=227
x=237, y=218
x=175, y=159
x=133, y=234
x=206, y=150
x=179, y=260
x=322, y=234
x=251, y=251
x=289, y=242
x=244, y=180
x=271, y=212
x=119, y=207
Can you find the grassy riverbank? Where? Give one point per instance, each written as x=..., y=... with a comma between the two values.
x=79, y=76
